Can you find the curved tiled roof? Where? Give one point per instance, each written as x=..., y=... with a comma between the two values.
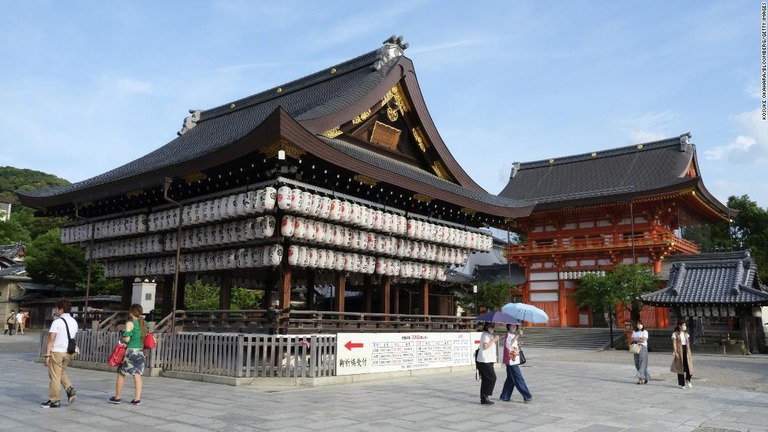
x=315, y=95
x=711, y=279
x=424, y=177
x=625, y=171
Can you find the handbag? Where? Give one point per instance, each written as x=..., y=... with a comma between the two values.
x=634, y=348
x=149, y=341
x=522, y=356
x=117, y=355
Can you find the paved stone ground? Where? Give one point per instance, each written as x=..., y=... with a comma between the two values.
x=574, y=390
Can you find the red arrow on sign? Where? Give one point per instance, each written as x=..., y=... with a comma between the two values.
x=349, y=345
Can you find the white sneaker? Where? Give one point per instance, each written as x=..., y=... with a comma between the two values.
x=689, y=384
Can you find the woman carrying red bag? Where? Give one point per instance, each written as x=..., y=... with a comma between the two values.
x=134, y=360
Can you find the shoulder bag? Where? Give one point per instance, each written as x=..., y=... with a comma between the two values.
x=635, y=348
x=72, y=347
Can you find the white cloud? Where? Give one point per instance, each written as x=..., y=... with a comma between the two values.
x=750, y=146
x=734, y=149
x=642, y=136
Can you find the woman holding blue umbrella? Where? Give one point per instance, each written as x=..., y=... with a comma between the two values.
x=512, y=362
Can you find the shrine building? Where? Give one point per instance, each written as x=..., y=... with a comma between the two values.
x=339, y=179
x=596, y=210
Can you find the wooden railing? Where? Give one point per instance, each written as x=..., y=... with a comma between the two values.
x=303, y=321
x=230, y=355
x=604, y=241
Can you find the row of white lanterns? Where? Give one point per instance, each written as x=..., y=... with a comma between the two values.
x=303, y=256
x=210, y=235
x=271, y=255
x=707, y=311
x=570, y=275
x=289, y=200
x=259, y=256
x=326, y=233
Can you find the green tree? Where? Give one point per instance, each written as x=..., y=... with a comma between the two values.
x=493, y=296
x=748, y=230
x=12, y=232
x=36, y=226
x=49, y=261
x=100, y=285
x=621, y=285
x=201, y=296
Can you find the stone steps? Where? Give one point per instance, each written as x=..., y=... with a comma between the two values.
x=575, y=338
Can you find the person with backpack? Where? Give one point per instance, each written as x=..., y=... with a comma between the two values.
x=134, y=360
x=58, y=354
x=486, y=357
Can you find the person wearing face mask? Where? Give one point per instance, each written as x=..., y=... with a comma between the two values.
x=486, y=357
x=640, y=337
x=682, y=362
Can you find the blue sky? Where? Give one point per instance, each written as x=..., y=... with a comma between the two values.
x=87, y=86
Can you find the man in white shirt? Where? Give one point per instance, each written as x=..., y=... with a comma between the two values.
x=56, y=356
x=20, y=322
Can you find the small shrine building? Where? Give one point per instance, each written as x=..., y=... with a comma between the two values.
x=596, y=210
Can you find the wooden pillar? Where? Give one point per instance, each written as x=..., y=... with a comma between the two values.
x=397, y=300
x=368, y=294
x=167, y=295
x=285, y=287
x=225, y=293
x=127, y=293
x=180, y=292
x=562, y=306
x=386, y=291
x=341, y=281
x=425, y=298
x=311, y=290
x=657, y=267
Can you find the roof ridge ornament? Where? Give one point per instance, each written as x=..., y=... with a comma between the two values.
x=190, y=121
x=685, y=142
x=393, y=47
x=515, y=169
x=678, y=283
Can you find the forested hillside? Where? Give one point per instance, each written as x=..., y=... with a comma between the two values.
x=12, y=179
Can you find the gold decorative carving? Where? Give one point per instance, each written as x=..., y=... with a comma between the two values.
x=423, y=198
x=392, y=114
x=398, y=94
x=291, y=149
x=361, y=118
x=385, y=135
x=194, y=177
x=440, y=170
x=402, y=101
x=364, y=179
x=468, y=211
x=418, y=135
x=134, y=193
x=279, y=89
x=232, y=106
x=332, y=133
x=333, y=71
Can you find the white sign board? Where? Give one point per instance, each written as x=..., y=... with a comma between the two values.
x=360, y=353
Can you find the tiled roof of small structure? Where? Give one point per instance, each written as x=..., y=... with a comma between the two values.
x=315, y=95
x=12, y=251
x=619, y=172
x=711, y=279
